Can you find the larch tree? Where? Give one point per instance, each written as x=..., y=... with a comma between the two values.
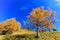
x=39, y=17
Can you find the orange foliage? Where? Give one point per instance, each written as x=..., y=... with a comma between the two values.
x=47, y=24
x=10, y=23
x=40, y=15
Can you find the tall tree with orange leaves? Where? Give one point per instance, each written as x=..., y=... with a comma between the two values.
x=39, y=17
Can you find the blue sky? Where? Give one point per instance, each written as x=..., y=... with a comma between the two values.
x=19, y=9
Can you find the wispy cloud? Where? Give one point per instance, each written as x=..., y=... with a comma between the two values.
x=25, y=22
x=24, y=8
x=58, y=2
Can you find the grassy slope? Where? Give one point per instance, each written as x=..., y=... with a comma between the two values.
x=43, y=36
x=30, y=35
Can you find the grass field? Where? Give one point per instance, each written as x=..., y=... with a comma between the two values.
x=30, y=35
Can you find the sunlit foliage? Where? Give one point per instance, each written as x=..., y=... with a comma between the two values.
x=10, y=25
x=39, y=17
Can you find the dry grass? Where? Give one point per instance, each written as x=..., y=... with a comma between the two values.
x=30, y=35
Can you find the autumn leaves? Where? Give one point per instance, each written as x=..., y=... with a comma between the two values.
x=39, y=17
x=43, y=17
x=10, y=25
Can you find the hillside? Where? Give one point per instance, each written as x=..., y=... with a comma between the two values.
x=6, y=32
x=31, y=36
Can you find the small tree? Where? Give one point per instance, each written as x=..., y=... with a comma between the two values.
x=9, y=26
x=39, y=17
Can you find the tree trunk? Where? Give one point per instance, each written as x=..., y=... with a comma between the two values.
x=37, y=25
x=38, y=34
x=37, y=31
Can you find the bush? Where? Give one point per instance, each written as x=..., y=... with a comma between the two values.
x=54, y=30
